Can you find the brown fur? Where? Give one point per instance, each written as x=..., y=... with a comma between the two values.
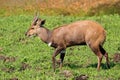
x=77, y=33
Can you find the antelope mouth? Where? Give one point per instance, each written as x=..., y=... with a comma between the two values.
x=33, y=35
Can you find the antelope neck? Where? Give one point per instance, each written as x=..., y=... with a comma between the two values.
x=49, y=36
x=45, y=35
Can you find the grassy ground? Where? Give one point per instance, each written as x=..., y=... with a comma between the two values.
x=30, y=59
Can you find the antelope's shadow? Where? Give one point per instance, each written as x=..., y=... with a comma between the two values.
x=76, y=66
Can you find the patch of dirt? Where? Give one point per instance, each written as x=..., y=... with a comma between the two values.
x=7, y=59
x=10, y=59
x=82, y=77
x=2, y=57
x=9, y=70
x=14, y=78
x=24, y=66
x=67, y=73
x=116, y=57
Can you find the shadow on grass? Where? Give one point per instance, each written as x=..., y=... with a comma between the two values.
x=73, y=65
x=76, y=66
x=103, y=65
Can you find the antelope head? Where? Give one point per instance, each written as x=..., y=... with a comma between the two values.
x=35, y=27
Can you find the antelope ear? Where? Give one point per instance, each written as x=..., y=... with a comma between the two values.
x=42, y=22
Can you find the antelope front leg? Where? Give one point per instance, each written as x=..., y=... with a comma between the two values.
x=57, y=51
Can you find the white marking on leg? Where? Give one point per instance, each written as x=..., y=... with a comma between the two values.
x=50, y=43
x=63, y=51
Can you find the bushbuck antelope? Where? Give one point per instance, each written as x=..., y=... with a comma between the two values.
x=84, y=32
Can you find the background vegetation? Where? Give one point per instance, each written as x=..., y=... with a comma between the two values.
x=25, y=58
x=60, y=7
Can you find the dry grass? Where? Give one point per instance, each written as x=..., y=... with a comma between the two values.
x=59, y=7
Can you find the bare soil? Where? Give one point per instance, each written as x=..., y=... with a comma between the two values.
x=116, y=57
x=82, y=77
x=14, y=78
x=67, y=73
x=24, y=66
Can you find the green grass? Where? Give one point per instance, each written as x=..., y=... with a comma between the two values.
x=36, y=55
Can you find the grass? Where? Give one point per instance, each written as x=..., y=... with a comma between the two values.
x=30, y=59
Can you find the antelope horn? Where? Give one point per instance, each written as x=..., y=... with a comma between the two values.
x=35, y=18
